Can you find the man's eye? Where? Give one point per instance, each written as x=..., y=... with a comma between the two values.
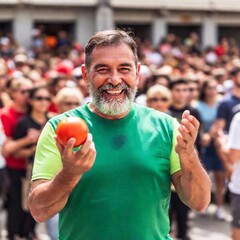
x=102, y=70
x=125, y=70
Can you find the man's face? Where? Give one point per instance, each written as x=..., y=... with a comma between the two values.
x=112, y=78
x=193, y=91
x=180, y=94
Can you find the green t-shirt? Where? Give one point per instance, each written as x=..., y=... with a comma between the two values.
x=125, y=195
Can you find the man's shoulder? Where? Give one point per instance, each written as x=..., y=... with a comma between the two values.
x=228, y=99
x=153, y=117
x=150, y=112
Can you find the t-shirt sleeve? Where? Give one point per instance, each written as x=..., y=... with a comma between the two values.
x=174, y=158
x=47, y=162
x=233, y=138
x=223, y=111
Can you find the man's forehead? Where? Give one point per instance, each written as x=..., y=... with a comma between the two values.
x=101, y=49
x=116, y=54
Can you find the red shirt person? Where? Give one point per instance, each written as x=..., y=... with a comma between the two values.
x=12, y=150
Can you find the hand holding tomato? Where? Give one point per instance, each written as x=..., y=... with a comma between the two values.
x=72, y=127
x=75, y=163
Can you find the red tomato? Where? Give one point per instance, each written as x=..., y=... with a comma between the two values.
x=72, y=127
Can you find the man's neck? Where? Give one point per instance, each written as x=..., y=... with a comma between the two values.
x=93, y=108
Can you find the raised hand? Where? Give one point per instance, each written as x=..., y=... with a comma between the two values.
x=76, y=163
x=188, y=131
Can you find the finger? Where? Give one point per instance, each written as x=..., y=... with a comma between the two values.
x=68, y=149
x=85, y=147
x=194, y=121
x=189, y=126
x=185, y=114
x=89, y=159
x=180, y=141
x=59, y=145
x=91, y=152
x=186, y=136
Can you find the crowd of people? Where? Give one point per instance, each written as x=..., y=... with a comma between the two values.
x=175, y=76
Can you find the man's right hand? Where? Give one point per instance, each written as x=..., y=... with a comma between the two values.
x=77, y=163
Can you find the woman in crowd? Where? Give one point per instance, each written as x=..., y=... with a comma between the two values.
x=68, y=98
x=159, y=98
x=34, y=121
x=207, y=106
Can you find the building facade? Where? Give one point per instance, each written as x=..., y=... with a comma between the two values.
x=152, y=19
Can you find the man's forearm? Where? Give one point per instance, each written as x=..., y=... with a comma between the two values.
x=194, y=186
x=47, y=198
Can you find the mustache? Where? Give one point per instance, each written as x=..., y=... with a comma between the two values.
x=110, y=86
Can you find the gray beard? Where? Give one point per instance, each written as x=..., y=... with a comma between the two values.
x=112, y=107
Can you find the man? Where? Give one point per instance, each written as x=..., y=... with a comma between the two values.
x=117, y=185
x=180, y=103
x=229, y=106
x=231, y=154
x=234, y=185
x=180, y=90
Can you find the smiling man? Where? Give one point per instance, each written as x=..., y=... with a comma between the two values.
x=117, y=185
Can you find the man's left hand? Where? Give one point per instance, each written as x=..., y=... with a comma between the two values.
x=188, y=131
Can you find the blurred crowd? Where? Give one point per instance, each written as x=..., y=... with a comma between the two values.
x=177, y=75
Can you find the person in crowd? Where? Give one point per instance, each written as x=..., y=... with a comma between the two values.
x=5, y=99
x=68, y=98
x=95, y=188
x=180, y=103
x=229, y=106
x=229, y=148
x=34, y=120
x=194, y=90
x=148, y=83
x=4, y=180
x=55, y=85
x=16, y=165
x=207, y=107
x=159, y=98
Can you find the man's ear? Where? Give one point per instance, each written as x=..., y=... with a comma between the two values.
x=138, y=72
x=84, y=72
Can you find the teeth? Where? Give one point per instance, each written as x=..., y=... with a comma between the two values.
x=114, y=92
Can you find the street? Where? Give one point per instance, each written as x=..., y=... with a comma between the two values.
x=201, y=227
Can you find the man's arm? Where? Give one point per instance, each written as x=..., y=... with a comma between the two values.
x=46, y=198
x=234, y=155
x=192, y=182
x=25, y=152
x=217, y=126
x=228, y=147
x=18, y=146
x=11, y=146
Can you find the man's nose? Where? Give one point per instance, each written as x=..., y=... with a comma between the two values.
x=115, y=78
